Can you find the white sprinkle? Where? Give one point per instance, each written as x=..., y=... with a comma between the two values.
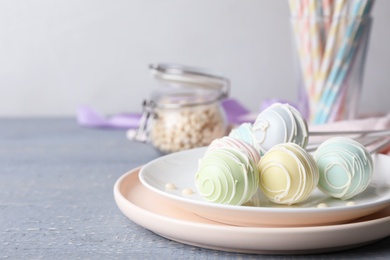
x=322, y=205
x=350, y=203
x=170, y=186
x=187, y=191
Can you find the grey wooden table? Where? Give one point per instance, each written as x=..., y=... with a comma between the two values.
x=56, y=199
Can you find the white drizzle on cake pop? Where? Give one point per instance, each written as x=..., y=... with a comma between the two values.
x=279, y=123
x=234, y=143
x=345, y=167
x=288, y=174
x=227, y=176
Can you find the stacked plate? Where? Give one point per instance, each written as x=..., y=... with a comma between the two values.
x=161, y=196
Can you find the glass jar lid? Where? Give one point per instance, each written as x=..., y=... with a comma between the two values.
x=186, y=86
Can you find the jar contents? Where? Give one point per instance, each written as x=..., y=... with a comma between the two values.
x=185, y=112
x=187, y=127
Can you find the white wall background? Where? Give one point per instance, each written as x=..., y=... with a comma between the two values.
x=57, y=55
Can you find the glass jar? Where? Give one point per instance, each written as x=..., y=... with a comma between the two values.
x=185, y=111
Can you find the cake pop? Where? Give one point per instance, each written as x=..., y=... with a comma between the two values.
x=227, y=176
x=279, y=123
x=288, y=174
x=345, y=167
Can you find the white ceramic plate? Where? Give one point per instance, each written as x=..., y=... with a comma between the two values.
x=154, y=212
x=180, y=168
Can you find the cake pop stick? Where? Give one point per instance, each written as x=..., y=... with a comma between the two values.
x=365, y=137
x=382, y=145
x=364, y=140
x=385, y=132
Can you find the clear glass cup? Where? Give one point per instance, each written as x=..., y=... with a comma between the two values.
x=329, y=57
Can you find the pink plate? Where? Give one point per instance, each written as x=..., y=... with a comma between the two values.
x=155, y=212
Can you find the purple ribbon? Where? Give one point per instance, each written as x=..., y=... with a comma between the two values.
x=235, y=112
x=88, y=117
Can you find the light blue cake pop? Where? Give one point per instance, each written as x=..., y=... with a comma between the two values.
x=244, y=133
x=280, y=123
x=345, y=167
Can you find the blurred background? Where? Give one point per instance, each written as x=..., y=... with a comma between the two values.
x=58, y=55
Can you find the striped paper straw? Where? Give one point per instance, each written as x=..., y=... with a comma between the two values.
x=301, y=33
x=338, y=73
x=332, y=91
x=343, y=62
x=327, y=10
x=316, y=50
x=338, y=109
x=295, y=8
x=352, y=90
x=329, y=49
x=306, y=41
x=316, y=46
